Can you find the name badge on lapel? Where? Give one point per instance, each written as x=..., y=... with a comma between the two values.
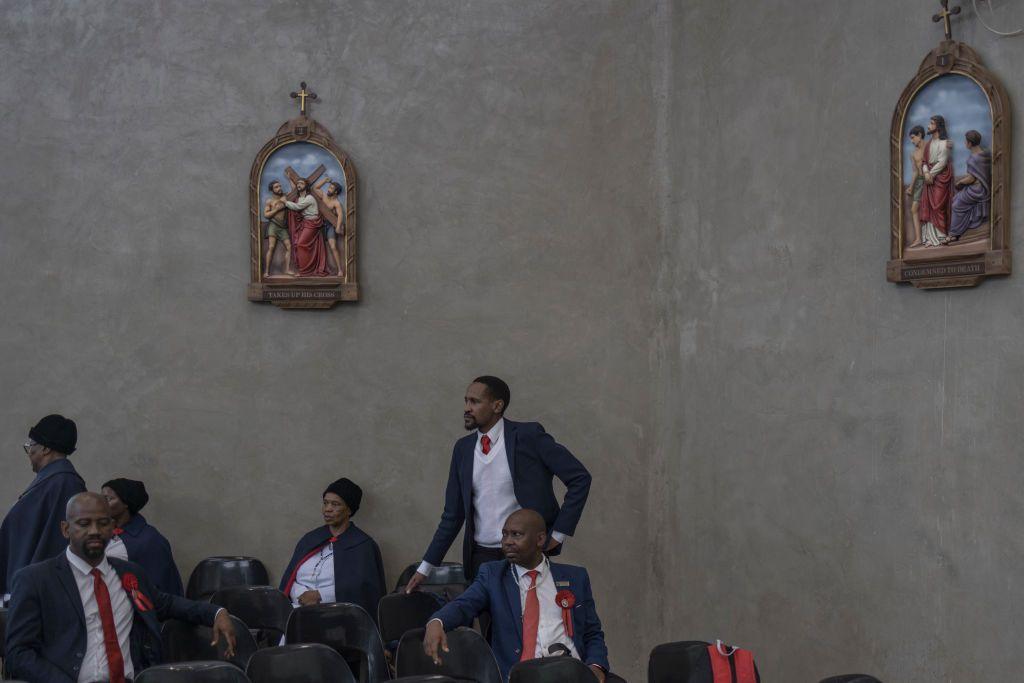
x=561, y=584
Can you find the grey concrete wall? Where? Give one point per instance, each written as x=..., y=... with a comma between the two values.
x=504, y=152
x=838, y=457
x=665, y=223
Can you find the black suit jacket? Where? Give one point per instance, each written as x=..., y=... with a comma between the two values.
x=46, y=636
x=534, y=459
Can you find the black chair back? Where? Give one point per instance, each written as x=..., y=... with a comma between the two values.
x=425, y=679
x=551, y=670
x=214, y=573
x=184, y=642
x=263, y=609
x=349, y=630
x=448, y=580
x=192, y=672
x=300, y=663
x=401, y=612
x=682, y=662
x=469, y=657
x=851, y=678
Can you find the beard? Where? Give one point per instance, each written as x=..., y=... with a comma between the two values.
x=93, y=553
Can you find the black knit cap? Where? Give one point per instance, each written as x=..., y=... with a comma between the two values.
x=55, y=432
x=132, y=493
x=347, y=490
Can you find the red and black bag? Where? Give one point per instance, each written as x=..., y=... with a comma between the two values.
x=696, y=661
x=732, y=665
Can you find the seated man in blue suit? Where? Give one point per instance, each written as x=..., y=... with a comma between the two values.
x=84, y=617
x=537, y=607
x=500, y=467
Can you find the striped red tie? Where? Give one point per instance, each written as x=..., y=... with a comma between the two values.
x=115, y=661
x=531, y=618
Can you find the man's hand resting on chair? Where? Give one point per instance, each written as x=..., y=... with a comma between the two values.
x=435, y=640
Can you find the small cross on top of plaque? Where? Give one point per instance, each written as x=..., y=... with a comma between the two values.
x=303, y=94
x=944, y=16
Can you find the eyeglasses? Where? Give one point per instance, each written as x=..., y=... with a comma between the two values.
x=29, y=445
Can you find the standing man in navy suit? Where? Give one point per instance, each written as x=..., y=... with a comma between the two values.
x=501, y=467
x=82, y=617
x=537, y=607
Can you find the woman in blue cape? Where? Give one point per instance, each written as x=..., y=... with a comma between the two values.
x=336, y=562
x=134, y=539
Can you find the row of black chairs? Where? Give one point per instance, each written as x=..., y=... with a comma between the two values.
x=262, y=615
x=215, y=573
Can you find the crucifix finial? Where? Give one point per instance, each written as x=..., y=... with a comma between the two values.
x=944, y=16
x=303, y=95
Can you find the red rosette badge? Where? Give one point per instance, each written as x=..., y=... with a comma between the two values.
x=131, y=584
x=566, y=600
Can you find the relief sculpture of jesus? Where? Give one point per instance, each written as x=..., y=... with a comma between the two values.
x=305, y=225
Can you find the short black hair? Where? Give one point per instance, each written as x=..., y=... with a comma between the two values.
x=496, y=388
x=973, y=137
x=916, y=130
x=270, y=185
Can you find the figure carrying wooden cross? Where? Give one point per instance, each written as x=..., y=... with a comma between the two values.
x=327, y=204
x=944, y=16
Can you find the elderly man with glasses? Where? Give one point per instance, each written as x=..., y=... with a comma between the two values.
x=31, y=530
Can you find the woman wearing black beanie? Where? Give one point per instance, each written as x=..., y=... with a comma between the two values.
x=134, y=539
x=336, y=562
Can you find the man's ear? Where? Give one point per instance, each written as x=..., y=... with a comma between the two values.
x=65, y=529
x=499, y=407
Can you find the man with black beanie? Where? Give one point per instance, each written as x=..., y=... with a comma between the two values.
x=31, y=530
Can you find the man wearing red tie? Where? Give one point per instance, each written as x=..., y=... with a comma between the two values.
x=496, y=469
x=82, y=617
x=537, y=607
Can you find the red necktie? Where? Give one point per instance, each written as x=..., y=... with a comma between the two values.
x=531, y=618
x=485, y=444
x=115, y=662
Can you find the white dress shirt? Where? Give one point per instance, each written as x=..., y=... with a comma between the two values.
x=494, y=495
x=551, y=628
x=94, y=664
x=117, y=548
x=316, y=574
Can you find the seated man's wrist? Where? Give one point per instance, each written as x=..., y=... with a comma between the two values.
x=425, y=568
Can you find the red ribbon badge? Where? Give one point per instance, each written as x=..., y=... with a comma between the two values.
x=566, y=600
x=131, y=584
x=118, y=531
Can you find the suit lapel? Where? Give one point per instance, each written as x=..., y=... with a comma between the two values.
x=466, y=471
x=563, y=581
x=67, y=579
x=510, y=447
x=511, y=586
